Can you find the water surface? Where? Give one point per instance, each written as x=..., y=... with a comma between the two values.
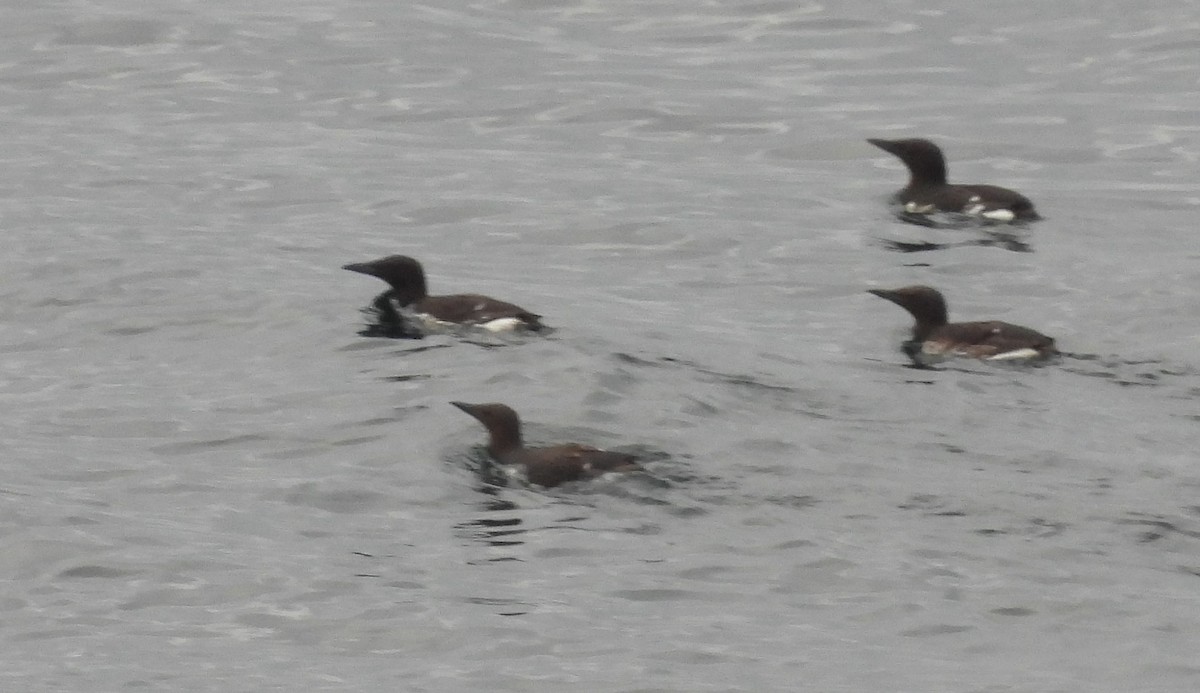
x=214, y=483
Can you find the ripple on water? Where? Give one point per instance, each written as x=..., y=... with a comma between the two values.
x=114, y=33
x=336, y=500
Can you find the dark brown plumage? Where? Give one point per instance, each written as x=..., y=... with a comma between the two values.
x=928, y=189
x=548, y=466
x=935, y=338
x=406, y=278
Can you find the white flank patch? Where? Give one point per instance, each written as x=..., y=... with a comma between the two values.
x=915, y=208
x=497, y=325
x=432, y=322
x=931, y=353
x=503, y=324
x=999, y=215
x=1016, y=354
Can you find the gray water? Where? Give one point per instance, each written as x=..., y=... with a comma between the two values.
x=212, y=483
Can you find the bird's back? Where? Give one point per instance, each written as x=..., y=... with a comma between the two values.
x=551, y=466
x=475, y=309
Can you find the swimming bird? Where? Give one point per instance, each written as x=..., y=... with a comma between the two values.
x=549, y=466
x=934, y=338
x=406, y=278
x=927, y=190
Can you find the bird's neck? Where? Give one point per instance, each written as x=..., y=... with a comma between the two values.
x=503, y=441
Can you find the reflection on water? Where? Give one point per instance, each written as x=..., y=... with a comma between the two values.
x=384, y=320
x=497, y=531
x=1004, y=241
